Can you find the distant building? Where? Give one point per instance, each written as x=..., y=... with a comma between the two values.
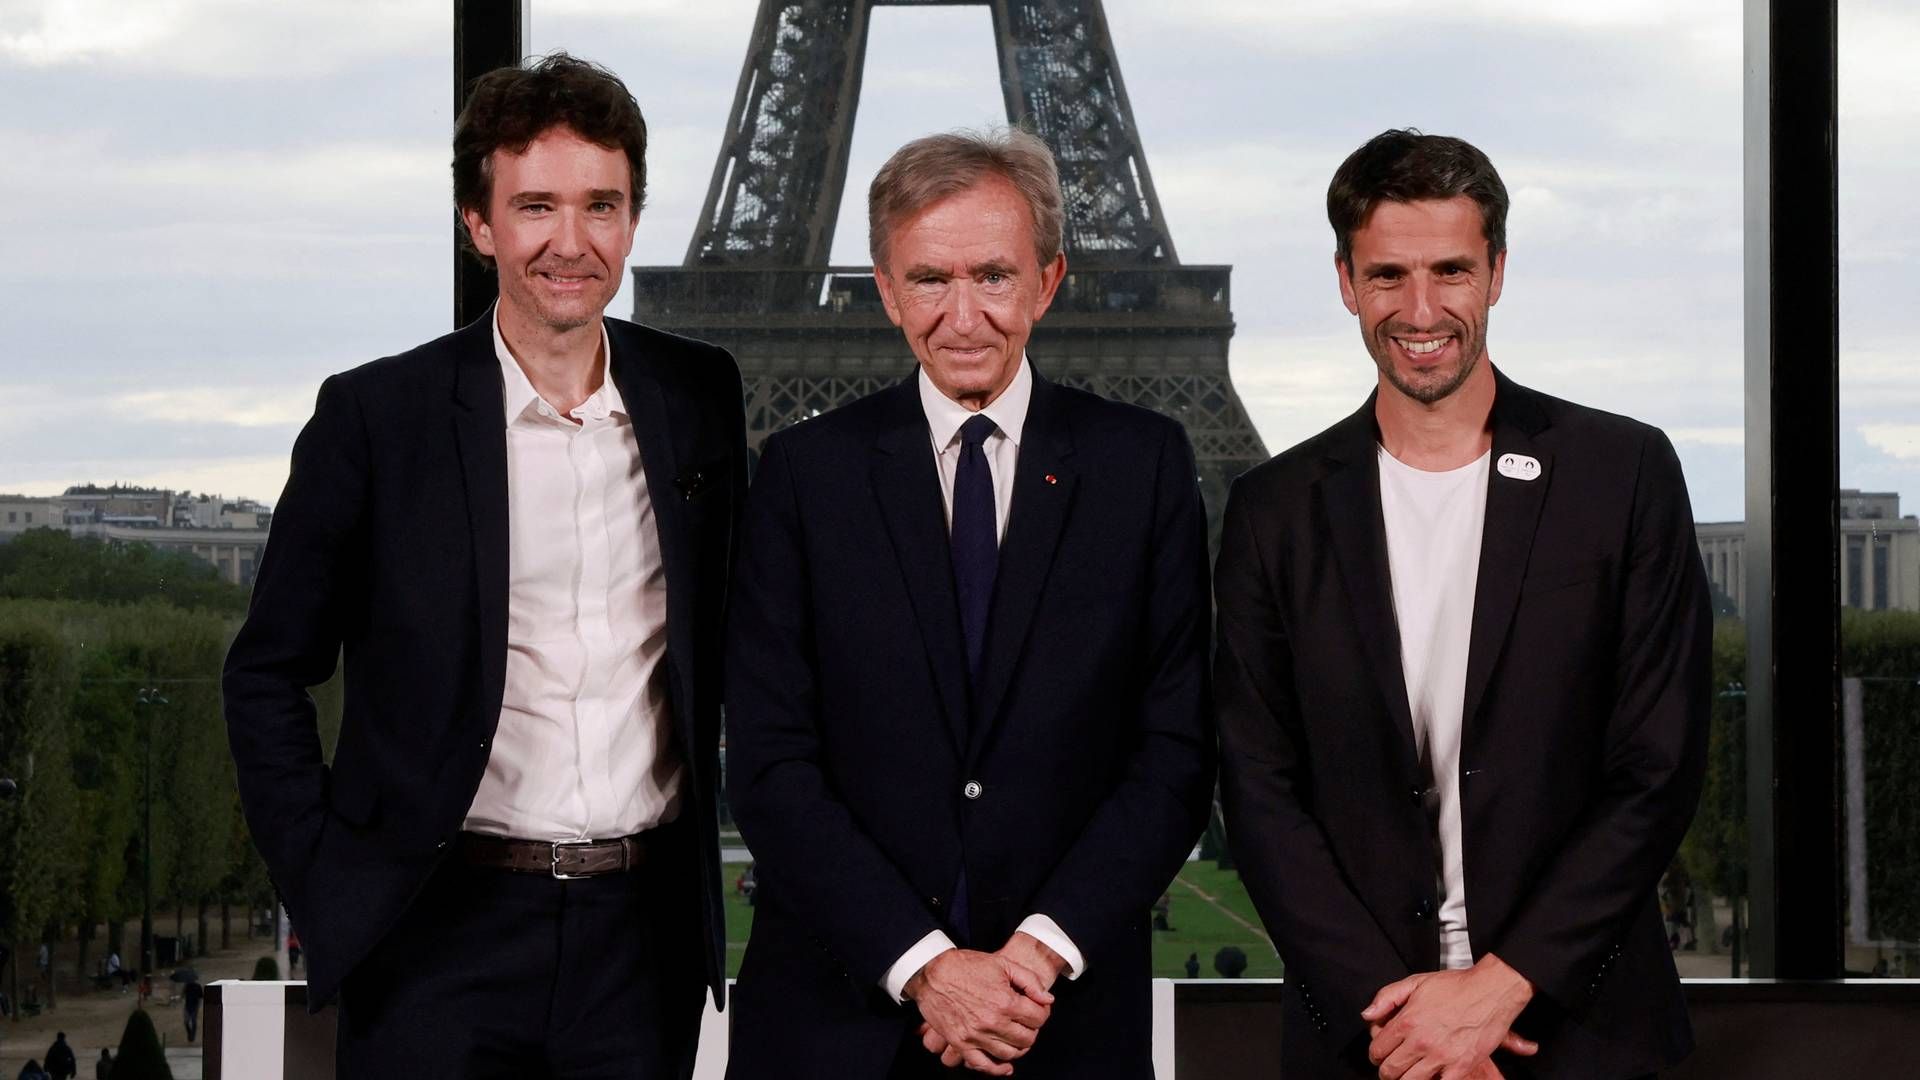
x=1879, y=554
x=92, y=504
x=235, y=553
x=18, y=513
x=228, y=534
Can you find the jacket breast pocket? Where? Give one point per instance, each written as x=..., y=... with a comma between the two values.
x=1555, y=576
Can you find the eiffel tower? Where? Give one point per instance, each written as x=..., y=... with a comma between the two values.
x=1130, y=322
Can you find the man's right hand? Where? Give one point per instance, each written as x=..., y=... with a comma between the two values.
x=984, y=1006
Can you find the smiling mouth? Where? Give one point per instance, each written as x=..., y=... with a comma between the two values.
x=564, y=280
x=1426, y=347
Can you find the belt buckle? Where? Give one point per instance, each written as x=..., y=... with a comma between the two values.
x=554, y=866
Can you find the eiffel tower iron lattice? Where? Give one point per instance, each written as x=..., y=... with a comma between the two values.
x=1130, y=322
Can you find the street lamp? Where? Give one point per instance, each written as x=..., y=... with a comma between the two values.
x=150, y=697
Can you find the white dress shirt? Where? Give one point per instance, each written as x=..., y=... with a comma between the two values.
x=1002, y=448
x=1434, y=523
x=584, y=748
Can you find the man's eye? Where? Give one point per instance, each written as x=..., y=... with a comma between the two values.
x=602, y=208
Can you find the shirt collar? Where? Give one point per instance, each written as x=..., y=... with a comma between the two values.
x=1009, y=410
x=519, y=395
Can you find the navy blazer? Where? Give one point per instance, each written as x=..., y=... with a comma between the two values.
x=389, y=549
x=1582, y=752
x=853, y=734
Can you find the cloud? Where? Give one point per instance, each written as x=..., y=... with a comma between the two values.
x=1900, y=441
x=217, y=39
x=238, y=406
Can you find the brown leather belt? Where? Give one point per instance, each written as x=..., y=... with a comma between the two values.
x=564, y=859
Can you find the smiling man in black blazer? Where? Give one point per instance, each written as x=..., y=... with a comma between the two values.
x=517, y=536
x=967, y=724
x=1462, y=678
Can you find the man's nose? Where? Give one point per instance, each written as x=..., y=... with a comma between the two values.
x=1421, y=305
x=963, y=307
x=570, y=235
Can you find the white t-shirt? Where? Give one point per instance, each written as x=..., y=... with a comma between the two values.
x=1434, y=521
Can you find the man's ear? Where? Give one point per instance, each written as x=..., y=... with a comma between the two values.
x=1347, y=295
x=1051, y=275
x=478, y=230
x=887, y=300
x=1499, y=278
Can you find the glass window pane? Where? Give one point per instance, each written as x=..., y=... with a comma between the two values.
x=209, y=208
x=1617, y=131
x=1879, y=247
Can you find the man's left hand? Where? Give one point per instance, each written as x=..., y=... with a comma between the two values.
x=1447, y=1023
x=1023, y=949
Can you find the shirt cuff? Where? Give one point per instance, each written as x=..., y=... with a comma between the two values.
x=911, y=961
x=1044, y=930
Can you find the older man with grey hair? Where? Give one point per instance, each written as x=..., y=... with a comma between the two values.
x=967, y=681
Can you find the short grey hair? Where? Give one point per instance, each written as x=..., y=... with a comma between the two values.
x=932, y=168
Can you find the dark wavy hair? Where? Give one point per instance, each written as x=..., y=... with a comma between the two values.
x=512, y=106
x=1404, y=165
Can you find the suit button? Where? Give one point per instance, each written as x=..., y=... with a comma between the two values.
x=972, y=790
x=1423, y=910
x=935, y=901
x=1418, y=795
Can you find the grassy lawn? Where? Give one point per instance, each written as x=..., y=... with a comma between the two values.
x=1199, y=925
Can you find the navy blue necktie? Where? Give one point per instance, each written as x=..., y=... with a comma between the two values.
x=976, y=539
x=976, y=557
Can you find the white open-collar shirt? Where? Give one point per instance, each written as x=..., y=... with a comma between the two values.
x=584, y=748
x=1002, y=449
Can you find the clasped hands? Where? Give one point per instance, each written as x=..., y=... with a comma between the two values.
x=1448, y=1023
x=984, y=1010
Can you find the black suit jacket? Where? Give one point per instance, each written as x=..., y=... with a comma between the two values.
x=1582, y=751
x=852, y=733
x=389, y=547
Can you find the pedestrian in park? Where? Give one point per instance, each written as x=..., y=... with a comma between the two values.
x=1193, y=965
x=32, y=1071
x=293, y=950
x=61, y=1064
x=103, y=1069
x=190, y=1001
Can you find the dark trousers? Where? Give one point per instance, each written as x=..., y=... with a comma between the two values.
x=495, y=973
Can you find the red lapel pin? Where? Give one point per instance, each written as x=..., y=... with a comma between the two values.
x=1052, y=479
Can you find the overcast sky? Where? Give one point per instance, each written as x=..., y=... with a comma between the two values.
x=212, y=204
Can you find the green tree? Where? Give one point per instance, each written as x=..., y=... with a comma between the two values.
x=48, y=564
x=37, y=836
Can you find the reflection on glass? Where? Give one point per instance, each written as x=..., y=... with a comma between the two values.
x=1880, y=454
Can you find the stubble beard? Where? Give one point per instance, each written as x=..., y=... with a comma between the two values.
x=1441, y=384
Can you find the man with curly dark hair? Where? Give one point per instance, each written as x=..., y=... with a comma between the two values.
x=517, y=537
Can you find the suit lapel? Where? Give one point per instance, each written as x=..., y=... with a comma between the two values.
x=480, y=433
x=652, y=425
x=907, y=487
x=1350, y=493
x=1043, y=487
x=1506, y=541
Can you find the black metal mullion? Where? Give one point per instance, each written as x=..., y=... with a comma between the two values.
x=1793, y=479
x=487, y=34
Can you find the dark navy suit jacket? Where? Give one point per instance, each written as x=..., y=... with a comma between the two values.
x=853, y=733
x=389, y=549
